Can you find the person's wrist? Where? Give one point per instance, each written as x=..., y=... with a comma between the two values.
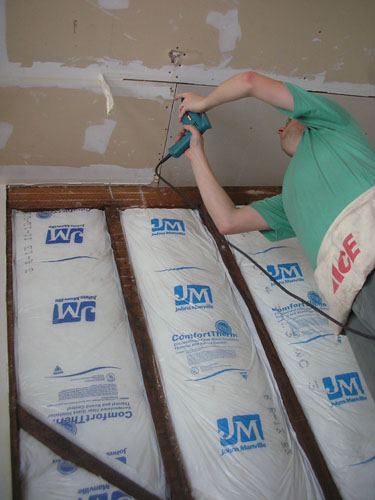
x=197, y=155
x=204, y=104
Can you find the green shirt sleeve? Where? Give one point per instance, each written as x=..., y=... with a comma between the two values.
x=272, y=211
x=316, y=111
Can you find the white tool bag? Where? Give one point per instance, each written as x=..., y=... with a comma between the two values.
x=324, y=374
x=232, y=430
x=76, y=364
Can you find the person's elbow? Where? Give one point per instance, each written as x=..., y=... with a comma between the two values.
x=241, y=220
x=226, y=227
x=248, y=81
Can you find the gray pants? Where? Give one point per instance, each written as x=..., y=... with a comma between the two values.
x=362, y=318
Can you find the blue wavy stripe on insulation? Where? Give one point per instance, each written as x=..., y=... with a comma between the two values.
x=179, y=269
x=363, y=463
x=86, y=371
x=217, y=373
x=310, y=340
x=68, y=258
x=267, y=250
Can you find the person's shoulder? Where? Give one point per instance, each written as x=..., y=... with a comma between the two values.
x=318, y=106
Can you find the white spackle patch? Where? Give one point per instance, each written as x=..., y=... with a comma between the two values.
x=228, y=26
x=97, y=136
x=338, y=66
x=6, y=130
x=113, y=4
x=129, y=36
x=38, y=95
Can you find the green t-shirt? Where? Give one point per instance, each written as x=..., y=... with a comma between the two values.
x=333, y=165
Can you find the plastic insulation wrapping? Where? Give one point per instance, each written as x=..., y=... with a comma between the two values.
x=231, y=427
x=76, y=363
x=325, y=375
x=46, y=475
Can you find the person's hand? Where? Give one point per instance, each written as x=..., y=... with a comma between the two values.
x=189, y=102
x=196, y=142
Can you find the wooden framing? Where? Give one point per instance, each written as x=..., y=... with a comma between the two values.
x=111, y=199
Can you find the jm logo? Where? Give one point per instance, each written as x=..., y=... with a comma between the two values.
x=192, y=294
x=64, y=235
x=167, y=225
x=243, y=429
x=285, y=271
x=74, y=311
x=116, y=495
x=345, y=385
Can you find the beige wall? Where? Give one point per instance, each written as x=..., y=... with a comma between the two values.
x=296, y=38
x=53, y=121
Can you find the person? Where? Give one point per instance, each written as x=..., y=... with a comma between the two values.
x=327, y=199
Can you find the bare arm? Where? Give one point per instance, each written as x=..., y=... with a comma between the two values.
x=228, y=218
x=223, y=211
x=249, y=84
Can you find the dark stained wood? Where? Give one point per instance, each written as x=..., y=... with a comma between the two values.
x=292, y=405
x=14, y=429
x=169, y=448
x=32, y=198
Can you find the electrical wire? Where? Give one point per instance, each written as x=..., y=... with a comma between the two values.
x=247, y=256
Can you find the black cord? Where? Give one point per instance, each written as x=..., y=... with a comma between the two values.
x=285, y=290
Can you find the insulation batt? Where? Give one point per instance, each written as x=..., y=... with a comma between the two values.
x=47, y=476
x=76, y=364
x=232, y=430
x=325, y=374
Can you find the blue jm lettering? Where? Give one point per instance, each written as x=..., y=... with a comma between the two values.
x=192, y=294
x=64, y=235
x=116, y=495
x=244, y=429
x=285, y=271
x=74, y=311
x=347, y=384
x=167, y=225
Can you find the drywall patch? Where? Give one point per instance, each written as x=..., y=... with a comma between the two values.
x=157, y=86
x=153, y=91
x=6, y=130
x=60, y=174
x=97, y=136
x=114, y=4
x=338, y=66
x=228, y=26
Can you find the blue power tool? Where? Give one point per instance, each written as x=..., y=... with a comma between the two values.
x=200, y=121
